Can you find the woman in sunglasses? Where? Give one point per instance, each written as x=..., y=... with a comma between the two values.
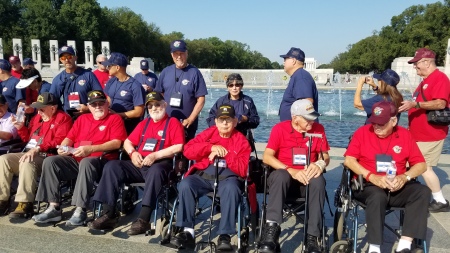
x=244, y=106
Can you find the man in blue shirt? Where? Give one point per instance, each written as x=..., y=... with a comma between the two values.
x=145, y=77
x=184, y=88
x=8, y=86
x=125, y=94
x=73, y=84
x=301, y=85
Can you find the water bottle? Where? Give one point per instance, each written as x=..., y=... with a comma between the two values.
x=391, y=171
x=20, y=115
x=66, y=149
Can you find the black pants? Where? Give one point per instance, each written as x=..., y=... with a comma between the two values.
x=116, y=173
x=414, y=197
x=281, y=185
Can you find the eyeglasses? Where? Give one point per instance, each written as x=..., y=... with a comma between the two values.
x=225, y=120
x=417, y=63
x=109, y=67
x=66, y=57
x=156, y=105
x=97, y=104
x=99, y=62
x=230, y=85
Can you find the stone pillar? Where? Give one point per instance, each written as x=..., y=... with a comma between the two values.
x=1, y=49
x=72, y=43
x=447, y=60
x=36, y=53
x=54, y=57
x=17, y=48
x=88, y=54
x=106, y=50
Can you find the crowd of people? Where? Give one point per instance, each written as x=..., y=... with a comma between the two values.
x=75, y=127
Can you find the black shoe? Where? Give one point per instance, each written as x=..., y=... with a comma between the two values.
x=139, y=226
x=4, y=207
x=311, y=244
x=224, y=243
x=183, y=240
x=436, y=207
x=269, y=241
x=404, y=251
x=104, y=222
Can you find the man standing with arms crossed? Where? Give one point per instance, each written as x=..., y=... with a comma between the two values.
x=301, y=85
x=184, y=88
x=435, y=88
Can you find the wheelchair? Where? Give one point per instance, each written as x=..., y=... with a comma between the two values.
x=293, y=206
x=243, y=219
x=346, y=220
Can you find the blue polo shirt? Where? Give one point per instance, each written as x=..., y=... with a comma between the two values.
x=149, y=79
x=45, y=87
x=81, y=81
x=124, y=95
x=301, y=85
x=190, y=85
x=11, y=94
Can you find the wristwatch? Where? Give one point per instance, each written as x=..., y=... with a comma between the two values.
x=417, y=105
x=408, y=178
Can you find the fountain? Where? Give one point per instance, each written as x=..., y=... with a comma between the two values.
x=269, y=92
x=337, y=83
x=404, y=77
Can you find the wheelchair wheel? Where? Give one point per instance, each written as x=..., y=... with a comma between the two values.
x=339, y=225
x=340, y=247
x=129, y=196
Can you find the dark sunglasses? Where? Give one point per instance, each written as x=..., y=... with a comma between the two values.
x=230, y=85
x=95, y=104
x=156, y=105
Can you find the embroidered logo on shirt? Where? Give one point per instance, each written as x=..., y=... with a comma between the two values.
x=160, y=132
x=5, y=89
x=82, y=82
x=101, y=128
x=397, y=149
x=150, y=79
x=52, y=126
x=123, y=93
x=185, y=82
x=425, y=86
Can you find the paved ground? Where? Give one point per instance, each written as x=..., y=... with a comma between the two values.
x=25, y=236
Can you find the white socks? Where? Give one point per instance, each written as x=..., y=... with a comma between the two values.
x=439, y=197
x=403, y=244
x=374, y=248
x=190, y=230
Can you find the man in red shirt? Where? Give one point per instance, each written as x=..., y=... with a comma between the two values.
x=433, y=93
x=150, y=146
x=373, y=149
x=46, y=130
x=233, y=152
x=101, y=72
x=79, y=158
x=16, y=65
x=286, y=153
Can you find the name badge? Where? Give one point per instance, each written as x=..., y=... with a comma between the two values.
x=34, y=141
x=222, y=163
x=383, y=162
x=150, y=144
x=298, y=156
x=74, y=100
x=175, y=100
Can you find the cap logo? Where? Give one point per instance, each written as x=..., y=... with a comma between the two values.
x=309, y=108
x=40, y=99
x=96, y=94
x=176, y=43
x=143, y=64
x=64, y=48
x=377, y=111
x=296, y=53
x=225, y=109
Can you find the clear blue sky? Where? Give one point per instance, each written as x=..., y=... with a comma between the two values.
x=321, y=28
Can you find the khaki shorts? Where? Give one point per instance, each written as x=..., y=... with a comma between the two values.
x=431, y=151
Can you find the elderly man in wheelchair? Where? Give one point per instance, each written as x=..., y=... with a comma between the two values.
x=151, y=147
x=291, y=147
x=380, y=152
x=232, y=151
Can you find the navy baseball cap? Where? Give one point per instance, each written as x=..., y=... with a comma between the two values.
x=5, y=65
x=66, y=50
x=144, y=64
x=389, y=76
x=116, y=59
x=28, y=61
x=178, y=45
x=295, y=53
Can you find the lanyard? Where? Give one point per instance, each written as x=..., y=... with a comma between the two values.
x=163, y=138
x=389, y=144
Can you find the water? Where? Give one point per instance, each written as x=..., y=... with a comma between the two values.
x=339, y=117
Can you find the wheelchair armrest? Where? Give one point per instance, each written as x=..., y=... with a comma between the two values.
x=10, y=142
x=17, y=146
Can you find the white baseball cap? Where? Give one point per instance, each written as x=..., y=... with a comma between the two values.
x=23, y=83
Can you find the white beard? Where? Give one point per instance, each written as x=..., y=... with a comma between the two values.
x=157, y=116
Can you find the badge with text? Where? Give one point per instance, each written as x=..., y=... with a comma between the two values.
x=383, y=162
x=175, y=100
x=74, y=100
x=299, y=156
x=34, y=141
x=150, y=144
